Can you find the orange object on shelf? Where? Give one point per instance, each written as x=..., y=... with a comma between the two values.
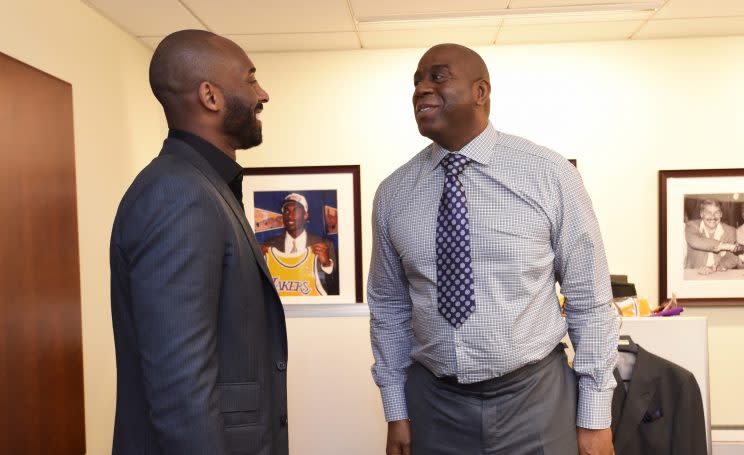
x=633, y=306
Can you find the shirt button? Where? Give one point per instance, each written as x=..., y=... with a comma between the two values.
x=281, y=365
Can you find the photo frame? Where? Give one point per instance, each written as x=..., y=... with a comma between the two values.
x=307, y=221
x=701, y=228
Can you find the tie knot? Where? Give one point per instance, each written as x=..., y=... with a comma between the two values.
x=454, y=163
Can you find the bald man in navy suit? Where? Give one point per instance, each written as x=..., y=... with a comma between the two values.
x=200, y=336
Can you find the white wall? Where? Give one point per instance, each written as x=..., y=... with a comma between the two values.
x=115, y=119
x=624, y=110
x=334, y=406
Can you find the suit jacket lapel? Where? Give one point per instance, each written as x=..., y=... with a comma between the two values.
x=182, y=149
x=640, y=393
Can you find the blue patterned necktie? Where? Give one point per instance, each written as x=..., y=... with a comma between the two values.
x=455, y=288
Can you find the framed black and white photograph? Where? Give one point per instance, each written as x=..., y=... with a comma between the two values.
x=307, y=222
x=701, y=236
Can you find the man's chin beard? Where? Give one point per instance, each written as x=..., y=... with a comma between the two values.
x=255, y=139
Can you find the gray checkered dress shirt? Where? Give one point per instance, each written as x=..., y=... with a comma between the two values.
x=531, y=223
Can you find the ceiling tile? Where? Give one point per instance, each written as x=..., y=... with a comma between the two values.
x=700, y=8
x=147, y=17
x=237, y=17
x=587, y=31
x=578, y=18
x=284, y=42
x=287, y=42
x=294, y=25
x=518, y=4
x=371, y=8
x=427, y=37
x=492, y=22
x=682, y=28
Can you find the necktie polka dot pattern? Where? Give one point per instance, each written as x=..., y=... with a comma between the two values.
x=455, y=287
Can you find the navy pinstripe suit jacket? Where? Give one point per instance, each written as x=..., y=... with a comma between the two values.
x=200, y=336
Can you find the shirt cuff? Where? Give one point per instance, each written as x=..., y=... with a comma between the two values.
x=594, y=410
x=394, y=403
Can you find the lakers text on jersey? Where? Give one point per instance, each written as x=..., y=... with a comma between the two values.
x=295, y=275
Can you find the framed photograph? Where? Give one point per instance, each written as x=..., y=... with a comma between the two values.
x=307, y=221
x=701, y=236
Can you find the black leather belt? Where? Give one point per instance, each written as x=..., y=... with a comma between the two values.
x=490, y=384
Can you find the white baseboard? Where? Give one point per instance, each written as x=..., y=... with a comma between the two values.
x=728, y=441
x=728, y=448
x=727, y=435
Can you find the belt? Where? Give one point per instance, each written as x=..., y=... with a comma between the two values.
x=490, y=384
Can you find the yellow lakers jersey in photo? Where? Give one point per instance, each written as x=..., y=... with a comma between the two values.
x=295, y=275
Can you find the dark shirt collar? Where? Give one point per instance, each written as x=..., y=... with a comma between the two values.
x=230, y=171
x=223, y=164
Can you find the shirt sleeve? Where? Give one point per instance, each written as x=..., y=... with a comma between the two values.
x=581, y=269
x=390, y=315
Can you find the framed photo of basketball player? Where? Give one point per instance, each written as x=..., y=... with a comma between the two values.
x=307, y=223
x=701, y=236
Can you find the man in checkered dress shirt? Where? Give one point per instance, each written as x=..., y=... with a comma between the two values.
x=531, y=223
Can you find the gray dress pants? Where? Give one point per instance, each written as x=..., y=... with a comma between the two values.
x=530, y=411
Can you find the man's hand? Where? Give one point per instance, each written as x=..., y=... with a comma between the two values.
x=321, y=250
x=594, y=442
x=399, y=438
x=264, y=249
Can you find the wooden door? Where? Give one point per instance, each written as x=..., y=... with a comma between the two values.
x=41, y=363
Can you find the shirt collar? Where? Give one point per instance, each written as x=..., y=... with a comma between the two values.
x=480, y=149
x=225, y=167
x=717, y=234
x=300, y=241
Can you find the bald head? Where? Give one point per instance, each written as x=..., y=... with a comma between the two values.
x=207, y=86
x=183, y=60
x=469, y=62
x=451, y=97
x=472, y=63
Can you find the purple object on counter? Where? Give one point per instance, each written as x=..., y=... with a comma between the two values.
x=670, y=312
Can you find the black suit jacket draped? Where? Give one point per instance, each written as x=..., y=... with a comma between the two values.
x=199, y=329
x=662, y=411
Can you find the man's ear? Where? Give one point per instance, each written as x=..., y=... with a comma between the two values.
x=210, y=96
x=482, y=91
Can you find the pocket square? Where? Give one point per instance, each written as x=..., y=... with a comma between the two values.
x=652, y=415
